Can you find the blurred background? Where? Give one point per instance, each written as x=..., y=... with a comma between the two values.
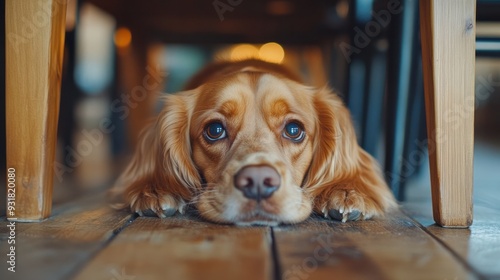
x=121, y=55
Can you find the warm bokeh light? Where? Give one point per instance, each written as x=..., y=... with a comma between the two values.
x=244, y=51
x=279, y=7
x=123, y=37
x=272, y=52
x=342, y=8
x=70, y=15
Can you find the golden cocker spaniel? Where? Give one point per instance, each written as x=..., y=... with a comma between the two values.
x=248, y=143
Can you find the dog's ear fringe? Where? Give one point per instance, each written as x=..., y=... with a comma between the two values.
x=333, y=141
x=338, y=159
x=162, y=158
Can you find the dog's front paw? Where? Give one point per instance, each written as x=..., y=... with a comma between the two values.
x=152, y=203
x=349, y=205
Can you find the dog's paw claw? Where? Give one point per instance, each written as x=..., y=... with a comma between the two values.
x=161, y=214
x=344, y=216
x=168, y=212
x=348, y=205
x=155, y=206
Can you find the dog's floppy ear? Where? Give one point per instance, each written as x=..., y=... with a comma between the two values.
x=338, y=161
x=336, y=151
x=162, y=163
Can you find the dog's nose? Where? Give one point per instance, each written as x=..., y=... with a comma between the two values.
x=257, y=182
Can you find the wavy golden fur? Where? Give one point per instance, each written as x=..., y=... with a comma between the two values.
x=256, y=106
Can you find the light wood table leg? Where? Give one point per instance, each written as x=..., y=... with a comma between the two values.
x=34, y=52
x=448, y=50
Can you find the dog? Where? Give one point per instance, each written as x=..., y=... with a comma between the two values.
x=247, y=143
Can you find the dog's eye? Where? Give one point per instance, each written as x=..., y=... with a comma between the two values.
x=214, y=131
x=294, y=132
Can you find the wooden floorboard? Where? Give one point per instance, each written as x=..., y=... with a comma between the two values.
x=56, y=247
x=395, y=247
x=478, y=246
x=184, y=248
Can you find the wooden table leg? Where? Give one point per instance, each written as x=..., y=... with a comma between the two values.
x=448, y=45
x=34, y=52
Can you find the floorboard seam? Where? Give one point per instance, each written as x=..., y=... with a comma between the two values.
x=105, y=244
x=455, y=255
x=275, y=256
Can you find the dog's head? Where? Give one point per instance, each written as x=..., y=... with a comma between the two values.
x=250, y=147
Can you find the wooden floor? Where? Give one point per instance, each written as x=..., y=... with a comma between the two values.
x=85, y=239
